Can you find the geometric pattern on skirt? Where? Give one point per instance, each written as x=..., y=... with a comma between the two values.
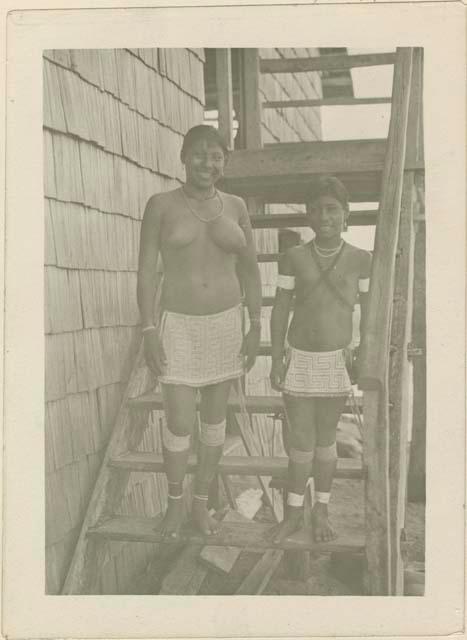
x=202, y=350
x=316, y=373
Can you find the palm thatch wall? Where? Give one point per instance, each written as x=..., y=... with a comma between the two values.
x=113, y=127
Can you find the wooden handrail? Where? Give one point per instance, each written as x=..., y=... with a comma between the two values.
x=325, y=102
x=375, y=342
x=325, y=63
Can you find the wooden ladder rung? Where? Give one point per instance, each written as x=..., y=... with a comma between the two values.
x=336, y=62
x=254, y=404
x=324, y=102
x=347, y=468
x=251, y=535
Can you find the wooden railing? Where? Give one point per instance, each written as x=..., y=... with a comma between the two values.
x=382, y=503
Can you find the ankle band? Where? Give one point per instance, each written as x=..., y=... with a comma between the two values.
x=323, y=496
x=212, y=435
x=200, y=497
x=295, y=499
x=326, y=453
x=175, y=497
x=301, y=457
x=174, y=443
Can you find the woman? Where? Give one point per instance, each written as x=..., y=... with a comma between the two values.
x=326, y=277
x=205, y=241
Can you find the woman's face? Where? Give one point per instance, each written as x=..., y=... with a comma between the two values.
x=204, y=164
x=327, y=217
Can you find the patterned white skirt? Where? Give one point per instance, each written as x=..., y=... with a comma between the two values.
x=316, y=373
x=202, y=350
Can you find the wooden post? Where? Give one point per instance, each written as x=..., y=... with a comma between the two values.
x=416, y=479
x=224, y=95
x=399, y=383
x=376, y=340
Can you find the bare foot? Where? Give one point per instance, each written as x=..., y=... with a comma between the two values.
x=204, y=522
x=322, y=530
x=170, y=525
x=292, y=522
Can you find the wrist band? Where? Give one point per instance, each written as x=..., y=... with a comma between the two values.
x=150, y=327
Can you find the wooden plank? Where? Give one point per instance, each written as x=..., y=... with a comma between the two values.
x=285, y=220
x=377, y=514
x=187, y=575
x=251, y=535
x=254, y=403
x=250, y=104
x=147, y=461
x=375, y=342
x=399, y=384
x=324, y=102
x=325, y=63
x=257, y=580
x=224, y=95
x=109, y=487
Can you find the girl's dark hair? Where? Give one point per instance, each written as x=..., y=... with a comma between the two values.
x=328, y=186
x=203, y=132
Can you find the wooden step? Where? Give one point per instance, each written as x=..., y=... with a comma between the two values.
x=254, y=404
x=251, y=535
x=335, y=62
x=285, y=220
x=348, y=468
x=281, y=172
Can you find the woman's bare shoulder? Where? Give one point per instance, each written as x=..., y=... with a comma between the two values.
x=362, y=257
x=158, y=203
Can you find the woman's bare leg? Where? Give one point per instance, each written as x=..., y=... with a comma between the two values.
x=211, y=442
x=301, y=443
x=328, y=412
x=180, y=412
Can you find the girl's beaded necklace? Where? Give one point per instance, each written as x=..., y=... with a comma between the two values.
x=196, y=214
x=327, y=253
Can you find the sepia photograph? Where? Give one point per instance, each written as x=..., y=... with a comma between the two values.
x=235, y=321
x=234, y=328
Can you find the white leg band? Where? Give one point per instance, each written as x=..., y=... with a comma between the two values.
x=301, y=457
x=326, y=453
x=322, y=496
x=173, y=443
x=212, y=435
x=295, y=499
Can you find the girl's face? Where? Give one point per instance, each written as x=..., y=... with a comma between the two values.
x=204, y=164
x=327, y=217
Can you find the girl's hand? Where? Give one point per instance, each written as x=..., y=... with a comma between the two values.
x=154, y=353
x=351, y=362
x=277, y=375
x=250, y=346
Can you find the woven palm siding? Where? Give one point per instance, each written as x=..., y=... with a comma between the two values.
x=113, y=127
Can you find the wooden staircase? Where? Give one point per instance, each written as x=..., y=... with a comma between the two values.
x=374, y=170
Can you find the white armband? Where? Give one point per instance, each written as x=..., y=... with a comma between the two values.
x=286, y=282
x=364, y=285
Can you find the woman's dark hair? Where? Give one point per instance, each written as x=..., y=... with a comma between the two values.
x=203, y=132
x=328, y=186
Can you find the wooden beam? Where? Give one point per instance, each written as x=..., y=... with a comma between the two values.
x=375, y=342
x=257, y=580
x=224, y=95
x=276, y=467
x=325, y=63
x=287, y=220
x=377, y=514
x=324, y=102
x=251, y=535
x=250, y=101
x=400, y=387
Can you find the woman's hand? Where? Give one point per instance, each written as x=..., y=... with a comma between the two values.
x=277, y=375
x=154, y=353
x=250, y=345
x=351, y=362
